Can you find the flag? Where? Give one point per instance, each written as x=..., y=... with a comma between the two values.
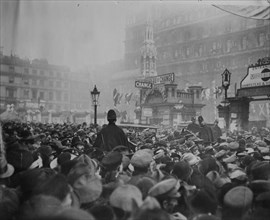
x=116, y=98
x=119, y=98
x=114, y=93
x=128, y=97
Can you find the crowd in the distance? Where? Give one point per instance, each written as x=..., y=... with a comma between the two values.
x=69, y=171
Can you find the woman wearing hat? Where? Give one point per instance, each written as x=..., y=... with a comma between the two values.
x=6, y=169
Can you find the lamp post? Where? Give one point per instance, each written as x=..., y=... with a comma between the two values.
x=95, y=95
x=226, y=80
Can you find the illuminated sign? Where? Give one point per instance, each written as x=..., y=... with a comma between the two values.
x=257, y=76
x=143, y=85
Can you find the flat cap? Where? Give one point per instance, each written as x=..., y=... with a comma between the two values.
x=123, y=196
x=239, y=197
x=142, y=158
x=166, y=188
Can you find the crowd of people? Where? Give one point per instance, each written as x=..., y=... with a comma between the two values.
x=88, y=172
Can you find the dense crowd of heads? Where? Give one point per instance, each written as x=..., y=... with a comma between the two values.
x=53, y=171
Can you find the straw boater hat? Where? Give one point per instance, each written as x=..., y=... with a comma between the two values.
x=6, y=169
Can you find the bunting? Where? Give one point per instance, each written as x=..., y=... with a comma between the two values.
x=205, y=95
x=261, y=12
x=217, y=92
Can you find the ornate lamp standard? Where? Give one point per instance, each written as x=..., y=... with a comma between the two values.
x=95, y=95
x=226, y=81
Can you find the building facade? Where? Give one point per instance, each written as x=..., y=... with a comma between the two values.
x=40, y=91
x=198, y=44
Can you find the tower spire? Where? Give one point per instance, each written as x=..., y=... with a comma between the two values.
x=148, y=50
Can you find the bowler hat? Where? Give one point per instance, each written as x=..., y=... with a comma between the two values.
x=203, y=201
x=111, y=160
x=259, y=186
x=260, y=170
x=182, y=170
x=20, y=159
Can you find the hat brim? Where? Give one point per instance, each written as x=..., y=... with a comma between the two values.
x=9, y=172
x=54, y=162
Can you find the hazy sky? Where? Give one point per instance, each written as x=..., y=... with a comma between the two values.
x=75, y=33
x=72, y=33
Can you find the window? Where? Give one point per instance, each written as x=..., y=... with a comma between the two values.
x=228, y=27
x=173, y=92
x=25, y=81
x=11, y=92
x=34, y=94
x=261, y=39
x=205, y=67
x=188, y=52
x=58, y=75
x=41, y=95
x=58, y=96
x=50, y=95
x=260, y=22
x=66, y=85
x=58, y=84
x=197, y=94
x=34, y=72
x=228, y=46
x=11, y=79
x=26, y=93
x=11, y=69
x=244, y=43
x=51, y=73
x=65, y=97
x=51, y=83
x=41, y=72
x=26, y=70
x=34, y=82
x=41, y=82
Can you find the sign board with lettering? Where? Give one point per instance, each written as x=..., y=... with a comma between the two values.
x=143, y=85
x=162, y=79
x=253, y=91
x=147, y=112
x=257, y=76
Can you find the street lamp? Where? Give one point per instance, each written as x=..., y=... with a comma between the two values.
x=95, y=95
x=226, y=80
